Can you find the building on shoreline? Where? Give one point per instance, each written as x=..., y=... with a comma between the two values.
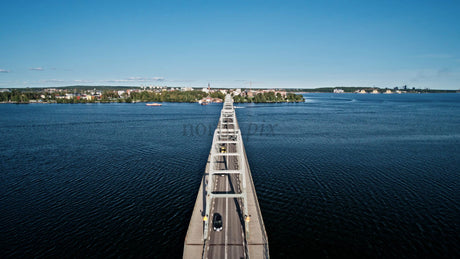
x=209, y=99
x=338, y=91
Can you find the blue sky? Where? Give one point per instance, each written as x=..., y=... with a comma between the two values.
x=285, y=44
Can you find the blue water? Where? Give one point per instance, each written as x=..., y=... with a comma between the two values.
x=339, y=175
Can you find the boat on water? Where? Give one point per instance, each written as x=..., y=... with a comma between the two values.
x=153, y=104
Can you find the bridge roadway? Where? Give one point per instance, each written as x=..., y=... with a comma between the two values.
x=228, y=243
x=228, y=189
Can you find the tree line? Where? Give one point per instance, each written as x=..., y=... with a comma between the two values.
x=171, y=96
x=17, y=96
x=25, y=96
x=269, y=97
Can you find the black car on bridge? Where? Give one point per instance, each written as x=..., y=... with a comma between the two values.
x=217, y=222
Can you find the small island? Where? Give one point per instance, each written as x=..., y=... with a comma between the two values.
x=124, y=94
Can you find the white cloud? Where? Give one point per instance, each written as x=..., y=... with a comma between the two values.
x=37, y=68
x=181, y=81
x=52, y=81
x=144, y=79
x=4, y=71
x=135, y=79
x=82, y=81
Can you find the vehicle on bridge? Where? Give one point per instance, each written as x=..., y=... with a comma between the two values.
x=217, y=222
x=226, y=190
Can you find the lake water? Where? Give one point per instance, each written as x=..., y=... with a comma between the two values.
x=339, y=175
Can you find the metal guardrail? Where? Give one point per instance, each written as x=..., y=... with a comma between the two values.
x=228, y=133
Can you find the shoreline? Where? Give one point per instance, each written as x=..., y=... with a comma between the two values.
x=286, y=101
x=133, y=102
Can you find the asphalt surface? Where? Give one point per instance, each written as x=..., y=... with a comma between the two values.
x=228, y=243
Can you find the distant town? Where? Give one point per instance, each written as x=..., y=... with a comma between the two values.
x=205, y=95
x=123, y=94
x=375, y=90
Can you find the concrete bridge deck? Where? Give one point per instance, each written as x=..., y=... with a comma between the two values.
x=227, y=189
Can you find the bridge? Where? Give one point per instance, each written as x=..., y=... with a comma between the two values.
x=226, y=189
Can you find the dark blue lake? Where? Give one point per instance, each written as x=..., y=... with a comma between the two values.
x=342, y=175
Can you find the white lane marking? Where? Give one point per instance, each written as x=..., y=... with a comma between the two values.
x=226, y=218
